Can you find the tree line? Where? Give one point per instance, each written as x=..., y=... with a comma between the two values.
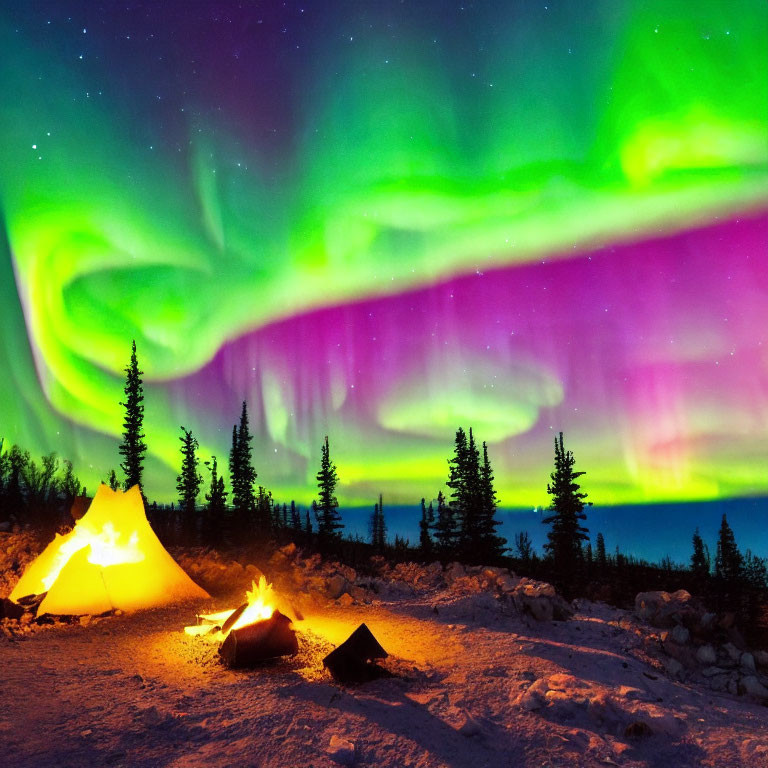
x=38, y=493
x=461, y=526
x=464, y=525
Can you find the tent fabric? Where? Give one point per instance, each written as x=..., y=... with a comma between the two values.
x=111, y=559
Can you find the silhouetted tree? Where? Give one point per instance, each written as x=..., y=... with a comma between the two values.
x=112, y=480
x=308, y=524
x=523, y=548
x=216, y=511
x=381, y=532
x=242, y=475
x=374, y=527
x=700, y=563
x=329, y=519
x=295, y=517
x=41, y=491
x=400, y=547
x=233, y=455
x=567, y=509
x=188, y=482
x=466, y=494
x=445, y=528
x=70, y=486
x=489, y=546
x=601, y=560
x=265, y=510
x=755, y=571
x=133, y=447
x=14, y=502
x=729, y=563
x=425, y=524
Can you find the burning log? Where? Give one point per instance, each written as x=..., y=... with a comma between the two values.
x=352, y=661
x=234, y=618
x=264, y=640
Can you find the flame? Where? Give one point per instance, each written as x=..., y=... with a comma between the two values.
x=105, y=549
x=260, y=605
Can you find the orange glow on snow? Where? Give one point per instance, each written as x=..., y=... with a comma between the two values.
x=110, y=559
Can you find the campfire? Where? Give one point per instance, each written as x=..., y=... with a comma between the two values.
x=110, y=560
x=254, y=632
x=259, y=606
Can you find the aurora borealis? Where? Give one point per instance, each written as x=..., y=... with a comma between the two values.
x=382, y=220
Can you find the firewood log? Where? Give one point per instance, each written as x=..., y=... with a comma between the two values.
x=261, y=641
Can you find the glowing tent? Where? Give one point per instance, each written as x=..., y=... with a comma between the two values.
x=111, y=559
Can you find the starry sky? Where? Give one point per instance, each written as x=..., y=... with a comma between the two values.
x=380, y=220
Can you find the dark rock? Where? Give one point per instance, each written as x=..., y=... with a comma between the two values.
x=337, y=585
x=540, y=600
x=637, y=730
x=10, y=610
x=706, y=654
x=682, y=653
x=665, y=609
x=352, y=660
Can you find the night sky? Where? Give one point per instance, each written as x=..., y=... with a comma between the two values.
x=380, y=220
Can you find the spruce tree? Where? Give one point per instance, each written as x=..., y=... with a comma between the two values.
x=425, y=524
x=242, y=474
x=70, y=485
x=567, y=510
x=13, y=492
x=374, y=528
x=445, y=528
x=523, y=548
x=329, y=519
x=295, y=517
x=457, y=482
x=699, y=559
x=755, y=571
x=307, y=524
x=381, y=535
x=264, y=516
x=188, y=482
x=234, y=457
x=601, y=560
x=216, y=511
x=466, y=495
x=133, y=448
x=471, y=530
x=753, y=592
x=489, y=546
x=112, y=480
x=729, y=563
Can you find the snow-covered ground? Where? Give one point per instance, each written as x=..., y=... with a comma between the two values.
x=475, y=683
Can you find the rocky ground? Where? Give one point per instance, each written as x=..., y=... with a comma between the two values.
x=486, y=670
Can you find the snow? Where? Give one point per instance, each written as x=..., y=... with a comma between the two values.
x=475, y=682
